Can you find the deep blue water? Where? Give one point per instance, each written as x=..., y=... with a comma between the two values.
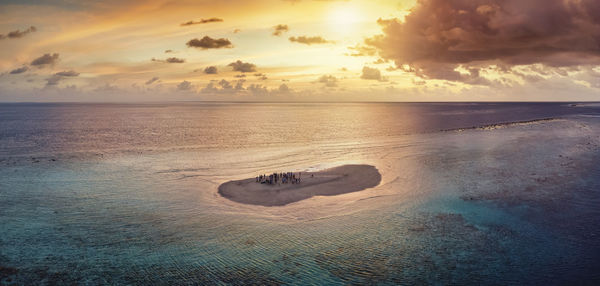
x=127, y=194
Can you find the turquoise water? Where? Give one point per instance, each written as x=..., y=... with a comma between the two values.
x=127, y=194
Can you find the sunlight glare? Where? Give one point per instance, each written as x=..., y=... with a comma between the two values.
x=343, y=18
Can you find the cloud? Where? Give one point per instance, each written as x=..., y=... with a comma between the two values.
x=53, y=80
x=328, y=80
x=223, y=87
x=175, y=60
x=67, y=73
x=202, y=21
x=261, y=76
x=280, y=29
x=225, y=84
x=242, y=67
x=152, y=80
x=108, y=89
x=362, y=51
x=210, y=70
x=184, y=86
x=440, y=36
x=283, y=88
x=19, y=70
x=309, y=40
x=209, y=43
x=57, y=77
x=257, y=89
x=168, y=51
x=171, y=60
x=235, y=31
x=46, y=59
x=372, y=74
x=18, y=33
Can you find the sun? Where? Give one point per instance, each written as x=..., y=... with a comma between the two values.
x=344, y=17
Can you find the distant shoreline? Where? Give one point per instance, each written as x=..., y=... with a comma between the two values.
x=330, y=182
x=502, y=124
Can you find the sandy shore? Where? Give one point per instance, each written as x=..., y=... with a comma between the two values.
x=330, y=182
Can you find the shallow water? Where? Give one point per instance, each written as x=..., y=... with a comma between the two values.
x=115, y=194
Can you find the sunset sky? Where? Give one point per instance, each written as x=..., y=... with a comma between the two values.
x=300, y=50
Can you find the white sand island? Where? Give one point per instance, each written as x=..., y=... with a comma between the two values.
x=329, y=182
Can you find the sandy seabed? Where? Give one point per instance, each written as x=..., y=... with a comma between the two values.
x=329, y=182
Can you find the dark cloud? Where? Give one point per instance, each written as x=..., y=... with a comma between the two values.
x=46, y=59
x=328, y=80
x=168, y=51
x=152, y=80
x=210, y=70
x=202, y=21
x=172, y=60
x=439, y=36
x=240, y=75
x=184, y=86
x=280, y=29
x=18, y=33
x=19, y=70
x=309, y=40
x=242, y=67
x=209, y=43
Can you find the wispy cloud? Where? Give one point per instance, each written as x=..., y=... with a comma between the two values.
x=67, y=73
x=57, y=77
x=18, y=33
x=19, y=70
x=309, y=40
x=280, y=29
x=202, y=21
x=171, y=60
x=152, y=80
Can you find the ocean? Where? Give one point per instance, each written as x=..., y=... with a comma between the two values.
x=471, y=193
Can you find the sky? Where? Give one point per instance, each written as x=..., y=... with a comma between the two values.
x=300, y=50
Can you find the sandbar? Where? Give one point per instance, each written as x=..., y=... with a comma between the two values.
x=329, y=182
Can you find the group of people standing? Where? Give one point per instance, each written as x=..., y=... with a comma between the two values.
x=279, y=178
